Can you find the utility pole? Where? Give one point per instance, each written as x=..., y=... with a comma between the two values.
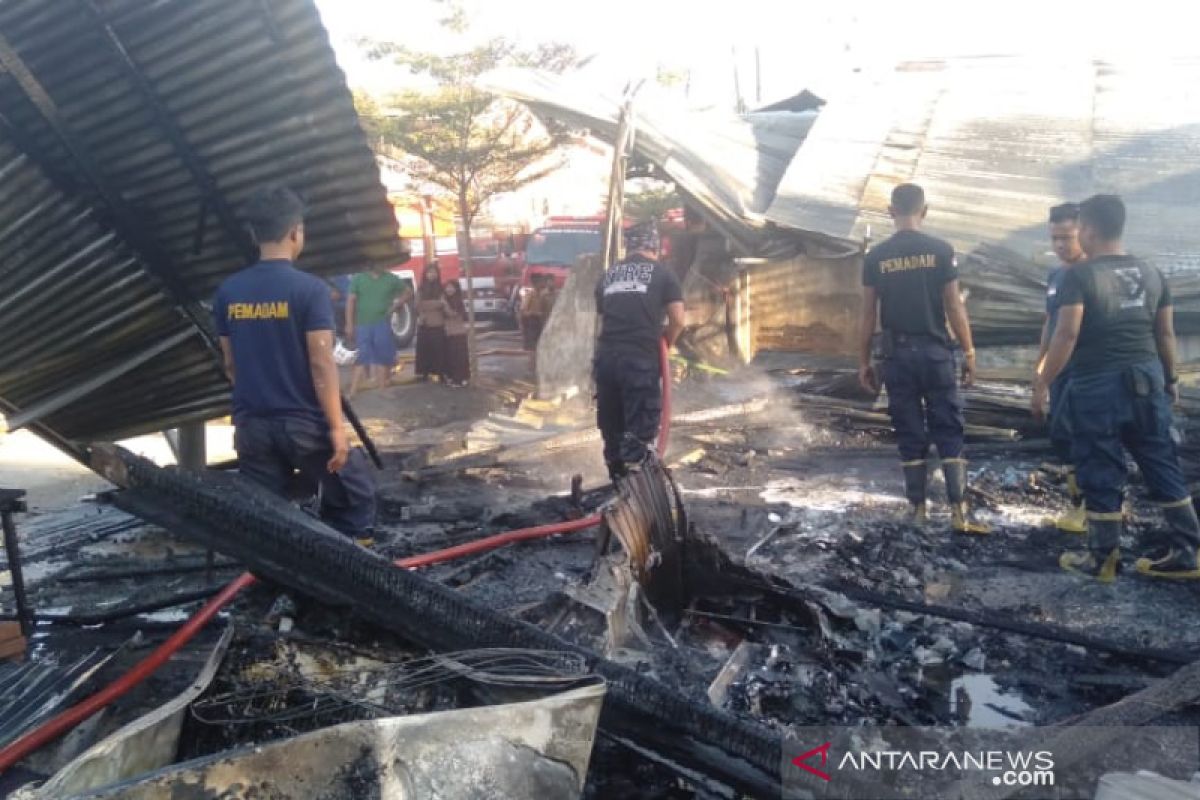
x=464, y=208
x=738, y=104
x=757, y=76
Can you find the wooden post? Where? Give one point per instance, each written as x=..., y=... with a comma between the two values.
x=12, y=502
x=192, y=456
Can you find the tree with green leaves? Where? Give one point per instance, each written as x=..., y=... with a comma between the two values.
x=469, y=143
x=651, y=202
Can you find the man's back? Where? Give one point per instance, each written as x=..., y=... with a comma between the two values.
x=909, y=272
x=1121, y=298
x=632, y=300
x=265, y=310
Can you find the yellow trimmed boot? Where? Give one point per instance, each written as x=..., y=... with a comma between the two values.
x=1178, y=563
x=1074, y=520
x=961, y=519
x=366, y=539
x=916, y=478
x=1103, y=567
x=1102, y=561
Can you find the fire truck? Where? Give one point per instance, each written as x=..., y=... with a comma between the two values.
x=495, y=263
x=557, y=246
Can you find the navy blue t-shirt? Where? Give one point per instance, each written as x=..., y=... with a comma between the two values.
x=632, y=299
x=265, y=311
x=1053, y=303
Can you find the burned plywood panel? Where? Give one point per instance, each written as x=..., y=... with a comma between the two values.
x=540, y=748
x=810, y=303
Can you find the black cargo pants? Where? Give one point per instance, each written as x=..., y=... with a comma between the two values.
x=272, y=450
x=923, y=397
x=628, y=407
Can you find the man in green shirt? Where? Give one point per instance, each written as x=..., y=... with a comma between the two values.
x=373, y=296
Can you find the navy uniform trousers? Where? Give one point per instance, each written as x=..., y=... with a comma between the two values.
x=923, y=397
x=272, y=450
x=1059, y=427
x=1125, y=408
x=628, y=406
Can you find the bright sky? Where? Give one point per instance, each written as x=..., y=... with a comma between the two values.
x=801, y=44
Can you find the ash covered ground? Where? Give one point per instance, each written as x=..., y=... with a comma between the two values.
x=807, y=498
x=828, y=610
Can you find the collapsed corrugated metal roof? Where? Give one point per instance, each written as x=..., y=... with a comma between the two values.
x=129, y=131
x=996, y=141
x=728, y=165
x=993, y=141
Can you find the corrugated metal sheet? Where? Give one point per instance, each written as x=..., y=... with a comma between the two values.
x=729, y=165
x=129, y=130
x=33, y=691
x=996, y=141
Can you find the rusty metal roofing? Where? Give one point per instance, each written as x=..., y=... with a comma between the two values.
x=129, y=132
x=996, y=141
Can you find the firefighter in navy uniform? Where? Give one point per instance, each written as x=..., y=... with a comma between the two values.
x=276, y=326
x=1116, y=327
x=632, y=299
x=1064, y=237
x=910, y=287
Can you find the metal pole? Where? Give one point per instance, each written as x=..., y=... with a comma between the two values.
x=193, y=448
x=192, y=456
x=364, y=437
x=10, y=501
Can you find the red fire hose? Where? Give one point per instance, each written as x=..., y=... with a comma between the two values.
x=66, y=720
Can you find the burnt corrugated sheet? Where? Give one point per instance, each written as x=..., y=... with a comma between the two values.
x=727, y=165
x=129, y=131
x=33, y=691
x=996, y=141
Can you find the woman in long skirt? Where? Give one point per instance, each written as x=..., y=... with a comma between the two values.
x=458, y=361
x=431, y=325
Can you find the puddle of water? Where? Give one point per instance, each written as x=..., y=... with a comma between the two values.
x=167, y=615
x=823, y=496
x=977, y=701
x=149, y=546
x=1031, y=516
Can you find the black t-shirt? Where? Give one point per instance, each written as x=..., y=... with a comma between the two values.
x=909, y=272
x=1121, y=297
x=632, y=300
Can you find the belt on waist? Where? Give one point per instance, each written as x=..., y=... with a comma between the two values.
x=916, y=338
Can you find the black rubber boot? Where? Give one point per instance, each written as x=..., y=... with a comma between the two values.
x=1103, y=567
x=955, y=471
x=1103, y=559
x=916, y=480
x=1075, y=520
x=1178, y=562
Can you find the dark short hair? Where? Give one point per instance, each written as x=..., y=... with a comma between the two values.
x=1105, y=213
x=907, y=198
x=271, y=212
x=1064, y=212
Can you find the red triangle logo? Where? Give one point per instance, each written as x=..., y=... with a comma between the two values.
x=802, y=759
